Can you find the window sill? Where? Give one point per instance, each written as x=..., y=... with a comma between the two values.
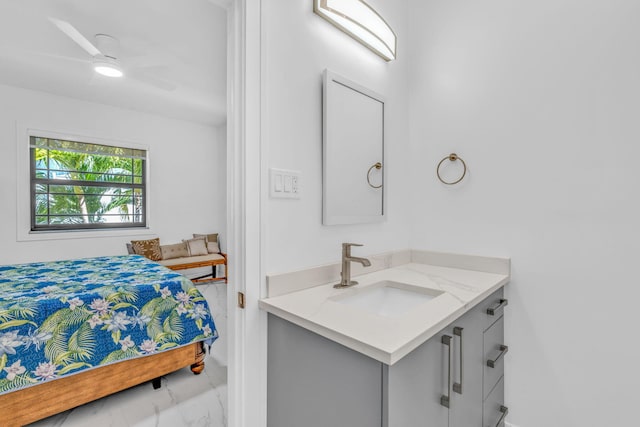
x=28, y=235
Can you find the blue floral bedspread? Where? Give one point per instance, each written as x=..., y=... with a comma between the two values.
x=60, y=318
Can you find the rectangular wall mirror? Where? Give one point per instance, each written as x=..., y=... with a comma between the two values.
x=353, y=153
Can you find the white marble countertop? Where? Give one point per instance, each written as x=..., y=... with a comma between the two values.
x=388, y=339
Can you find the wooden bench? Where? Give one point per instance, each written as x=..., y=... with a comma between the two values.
x=210, y=260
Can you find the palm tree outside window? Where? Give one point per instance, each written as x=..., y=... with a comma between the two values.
x=77, y=185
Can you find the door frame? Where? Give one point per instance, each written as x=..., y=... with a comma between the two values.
x=247, y=328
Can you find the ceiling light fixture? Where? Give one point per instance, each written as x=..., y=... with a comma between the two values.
x=360, y=21
x=107, y=67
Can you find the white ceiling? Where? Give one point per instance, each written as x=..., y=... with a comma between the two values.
x=177, y=44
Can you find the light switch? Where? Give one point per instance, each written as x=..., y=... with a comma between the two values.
x=284, y=184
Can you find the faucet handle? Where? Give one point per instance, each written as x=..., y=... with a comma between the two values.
x=346, y=249
x=347, y=245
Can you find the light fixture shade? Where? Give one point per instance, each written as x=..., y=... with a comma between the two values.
x=107, y=67
x=360, y=21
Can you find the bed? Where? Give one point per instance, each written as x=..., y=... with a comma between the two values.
x=78, y=330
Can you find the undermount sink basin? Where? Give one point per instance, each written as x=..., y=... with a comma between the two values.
x=387, y=298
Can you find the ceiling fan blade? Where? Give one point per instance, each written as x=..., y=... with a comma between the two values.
x=151, y=80
x=17, y=53
x=75, y=35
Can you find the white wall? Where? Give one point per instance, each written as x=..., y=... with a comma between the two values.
x=541, y=99
x=187, y=171
x=217, y=180
x=297, y=46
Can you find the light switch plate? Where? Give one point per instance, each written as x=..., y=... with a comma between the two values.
x=284, y=184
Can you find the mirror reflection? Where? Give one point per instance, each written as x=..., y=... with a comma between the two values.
x=353, y=152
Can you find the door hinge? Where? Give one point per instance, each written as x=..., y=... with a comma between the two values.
x=240, y=300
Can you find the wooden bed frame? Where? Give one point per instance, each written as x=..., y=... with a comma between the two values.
x=49, y=398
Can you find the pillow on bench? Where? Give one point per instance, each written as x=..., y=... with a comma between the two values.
x=178, y=250
x=212, y=242
x=197, y=246
x=148, y=248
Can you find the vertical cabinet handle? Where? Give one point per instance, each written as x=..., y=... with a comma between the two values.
x=504, y=411
x=445, y=398
x=457, y=387
x=491, y=311
x=492, y=362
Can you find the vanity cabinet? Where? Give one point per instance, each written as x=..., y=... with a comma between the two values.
x=445, y=382
x=440, y=383
x=494, y=410
x=314, y=382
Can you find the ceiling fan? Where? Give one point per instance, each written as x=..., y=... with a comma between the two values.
x=105, y=56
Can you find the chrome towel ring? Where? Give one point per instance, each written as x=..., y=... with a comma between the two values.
x=452, y=157
x=378, y=166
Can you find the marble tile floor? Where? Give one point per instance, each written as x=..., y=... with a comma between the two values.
x=183, y=400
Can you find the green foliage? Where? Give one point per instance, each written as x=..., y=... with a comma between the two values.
x=168, y=345
x=192, y=291
x=10, y=311
x=116, y=355
x=57, y=349
x=156, y=309
x=90, y=202
x=82, y=343
x=18, y=382
x=122, y=305
x=65, y=318
x=201, y=337
x=172, y=329
x=79, y=347
x=195, y=295
x=16, y=323
x=123, y=295
x=72, y=366
x=115, y=336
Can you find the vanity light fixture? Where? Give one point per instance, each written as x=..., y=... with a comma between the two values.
x=360, y=21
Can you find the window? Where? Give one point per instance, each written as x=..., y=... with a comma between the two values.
x=77, y=185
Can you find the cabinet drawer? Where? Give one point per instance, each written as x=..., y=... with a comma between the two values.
x=494, y=354
x=494, y=413
x=493, y=307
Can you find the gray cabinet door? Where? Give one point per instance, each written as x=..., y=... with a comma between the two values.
x=493, y=350
x=314, y=382
x=466, y=407
x=415, y=385
x=495, y=412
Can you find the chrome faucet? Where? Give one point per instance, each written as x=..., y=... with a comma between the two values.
x=347, y=259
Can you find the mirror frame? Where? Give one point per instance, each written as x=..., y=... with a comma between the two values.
x=329, y=80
